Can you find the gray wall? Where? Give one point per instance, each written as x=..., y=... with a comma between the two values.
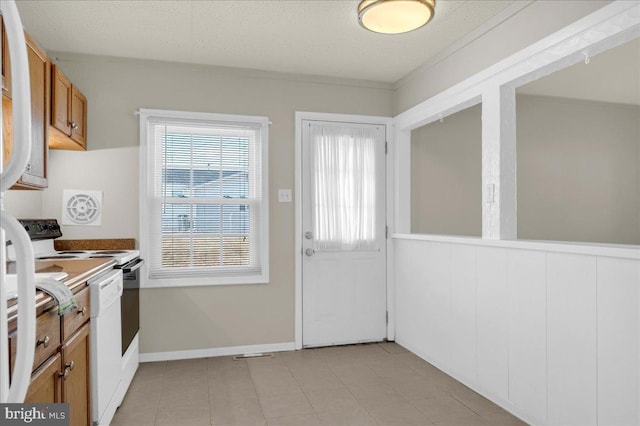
x=197, y=317
x=578, y=170
x=578, y=173
x=446, y=175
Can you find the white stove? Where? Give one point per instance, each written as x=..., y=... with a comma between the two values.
x=42, y=233
x=115, y=314
x=120, y=256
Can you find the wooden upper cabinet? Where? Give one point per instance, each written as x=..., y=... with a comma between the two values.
x=40, y=71
x=60, y=101
x=5, y=66
x=35, y=174
x=68, y=115
x=78, y=117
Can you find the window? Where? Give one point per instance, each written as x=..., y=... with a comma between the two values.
x=204, y=209
x=344, y=188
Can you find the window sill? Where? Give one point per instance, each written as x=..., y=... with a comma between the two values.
x=203, y=281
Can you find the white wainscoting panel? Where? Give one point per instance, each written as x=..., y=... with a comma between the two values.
x=492, y=320
x=528, y=333
x=411, y=296
x=618, y=334
x=463, y=312
x=552, y=337
x=438, y=306
x=571, y=374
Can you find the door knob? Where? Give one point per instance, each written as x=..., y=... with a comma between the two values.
x=309, y=252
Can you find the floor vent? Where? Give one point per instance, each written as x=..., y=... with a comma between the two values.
x=248, y=356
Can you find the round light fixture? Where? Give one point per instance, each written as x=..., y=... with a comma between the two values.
x=395, y=16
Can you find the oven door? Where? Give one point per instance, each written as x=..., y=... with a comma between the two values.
x=130, y=302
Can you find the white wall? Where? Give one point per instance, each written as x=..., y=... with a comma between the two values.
x=183, y=319
x=533, y=23
x=550, y=333
x=23, y=204
x=112, y=171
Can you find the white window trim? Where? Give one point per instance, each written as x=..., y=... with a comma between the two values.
x=146, y=190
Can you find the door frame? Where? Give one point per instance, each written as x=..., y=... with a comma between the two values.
x=389, y=181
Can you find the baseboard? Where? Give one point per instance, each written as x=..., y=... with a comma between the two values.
x=213, y=352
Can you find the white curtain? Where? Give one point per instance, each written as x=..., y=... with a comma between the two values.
x=344, y=185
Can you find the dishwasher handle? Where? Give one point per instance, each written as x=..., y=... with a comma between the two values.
x=132, y=266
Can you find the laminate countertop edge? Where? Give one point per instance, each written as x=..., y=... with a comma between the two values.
x=79, y=272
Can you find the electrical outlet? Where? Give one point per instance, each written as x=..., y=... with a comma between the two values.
x=284, y=195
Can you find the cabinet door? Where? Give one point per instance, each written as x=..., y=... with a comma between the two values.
x=39, y=68
x=35, y=175
x=78, y=117
x=47, y=339
x=61, y=102
x=46, y=381
x=76, y=387
x=72, y=321
x=6, y=65
x=7, y=129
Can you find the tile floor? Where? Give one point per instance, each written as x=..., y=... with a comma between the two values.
x=372, y=384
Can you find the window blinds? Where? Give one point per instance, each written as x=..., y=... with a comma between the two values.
x=205, y=198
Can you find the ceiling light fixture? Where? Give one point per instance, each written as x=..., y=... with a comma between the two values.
x=395, y=16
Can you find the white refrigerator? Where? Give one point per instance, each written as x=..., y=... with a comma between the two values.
x=10, y=227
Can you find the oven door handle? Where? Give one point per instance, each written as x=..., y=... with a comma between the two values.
x=135, y=266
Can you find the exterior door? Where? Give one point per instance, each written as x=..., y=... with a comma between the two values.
x=344, y=233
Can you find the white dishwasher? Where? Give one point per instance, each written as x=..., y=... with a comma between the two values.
x=106, y=341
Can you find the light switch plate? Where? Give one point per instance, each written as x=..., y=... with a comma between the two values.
x=284, y=195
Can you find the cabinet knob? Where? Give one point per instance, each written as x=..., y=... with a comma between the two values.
x=82, y=311
x=70, y=365
x=73, y=125
x=28, y=167
x=64, y=374
x=44, y=341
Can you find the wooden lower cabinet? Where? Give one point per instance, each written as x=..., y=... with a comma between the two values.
x=46, y=383
x=76, y=376
x=66, y=377
x=63, y=372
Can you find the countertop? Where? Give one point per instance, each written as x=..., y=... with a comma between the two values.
x=78, y=270
x=103, y=244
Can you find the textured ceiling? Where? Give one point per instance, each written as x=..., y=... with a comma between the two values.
x=294, y=36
